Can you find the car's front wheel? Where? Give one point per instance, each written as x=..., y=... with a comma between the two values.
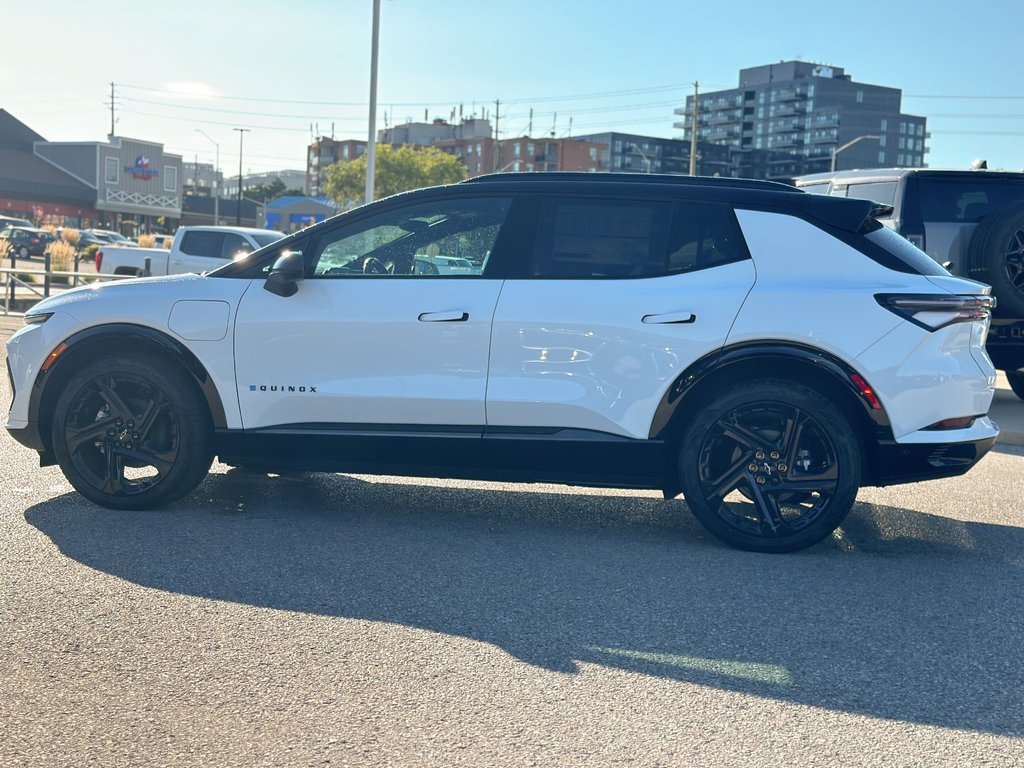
x=770, y=466
x=132, y=432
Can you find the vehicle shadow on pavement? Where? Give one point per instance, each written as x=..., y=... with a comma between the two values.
x=876, y=621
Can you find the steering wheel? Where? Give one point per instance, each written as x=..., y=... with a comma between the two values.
x=374, y=266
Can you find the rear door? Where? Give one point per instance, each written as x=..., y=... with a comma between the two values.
x=615, y=299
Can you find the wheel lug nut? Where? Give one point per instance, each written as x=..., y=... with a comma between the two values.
x=751, y=467
x=760, y=480
x=110, y=433
x=783, y=468
x=132, y=424
x=135, y=435
x=118, y=422
x=775, y=455
x=759, y=455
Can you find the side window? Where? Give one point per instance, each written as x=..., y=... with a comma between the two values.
x=234, y=246
x=446, y=238
x=602, y=238
x=200, y=243
x=879, y=191
x=704, y=235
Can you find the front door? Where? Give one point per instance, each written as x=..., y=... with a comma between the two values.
x=377, y=333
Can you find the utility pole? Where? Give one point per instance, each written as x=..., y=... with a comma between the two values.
x=111, y=108
x=529, y=131
x=497, y=134
x=693, y=133
x=217, y=178
x=241, y=136
x=371, y=143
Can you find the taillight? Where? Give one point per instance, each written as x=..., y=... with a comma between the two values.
x=935, y=311
x=99, y=260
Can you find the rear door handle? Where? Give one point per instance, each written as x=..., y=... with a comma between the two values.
x=444, y=317
x=670, y=318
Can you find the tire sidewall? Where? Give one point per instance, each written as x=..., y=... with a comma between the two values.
x=808, y=400
x=194, y=430
x=987, y=257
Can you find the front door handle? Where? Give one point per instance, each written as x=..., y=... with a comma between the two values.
x=444, y=317
x=670, y=318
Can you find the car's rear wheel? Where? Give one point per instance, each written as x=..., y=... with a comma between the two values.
x=132, y=432
x=1016, y=380
x=23, y=252
x=770, y=466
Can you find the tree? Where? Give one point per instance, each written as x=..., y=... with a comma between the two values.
x=397, y=170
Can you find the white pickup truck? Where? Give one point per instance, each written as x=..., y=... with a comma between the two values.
x=195, y=249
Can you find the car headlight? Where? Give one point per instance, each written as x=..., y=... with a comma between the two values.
x=37, y=318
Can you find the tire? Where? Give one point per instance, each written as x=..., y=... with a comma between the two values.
x=1016, y=379
x=132, y=432
x=996, y=257
x=23, y=252
x=770, y=466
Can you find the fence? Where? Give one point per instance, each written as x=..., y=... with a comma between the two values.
x=17, y=281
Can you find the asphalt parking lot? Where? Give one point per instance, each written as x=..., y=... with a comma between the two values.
x=357, y=620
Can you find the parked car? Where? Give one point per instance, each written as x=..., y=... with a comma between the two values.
x=971, y=221
x=89, y=237
x=194, y=249
x=112, y=237
x=27, y=241
x=12, y=221
x=763, y=351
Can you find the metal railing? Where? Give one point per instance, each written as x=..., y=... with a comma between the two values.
x=13, y=277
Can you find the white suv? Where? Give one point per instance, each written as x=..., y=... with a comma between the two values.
x=764, y=351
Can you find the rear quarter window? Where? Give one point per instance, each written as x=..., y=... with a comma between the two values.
x=879, y=191
x=916, y=260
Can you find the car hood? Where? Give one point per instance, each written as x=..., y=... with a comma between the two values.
x=143, y=296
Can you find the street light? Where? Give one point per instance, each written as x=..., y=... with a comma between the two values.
x=371, y=144
x=216, y=175
x=847, y=145
x=241, y=135
x=645, y=157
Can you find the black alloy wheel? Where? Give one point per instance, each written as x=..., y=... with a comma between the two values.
x=1014, y=260
x=132, y=433
x=770, y=467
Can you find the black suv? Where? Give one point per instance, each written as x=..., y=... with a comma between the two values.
x=27, y=241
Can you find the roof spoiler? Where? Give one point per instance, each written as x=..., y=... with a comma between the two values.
x=850, y=214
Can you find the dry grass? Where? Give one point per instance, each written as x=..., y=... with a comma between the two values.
x=71, y=236
x=147, y=241
x=5, y=252
x=62, y=256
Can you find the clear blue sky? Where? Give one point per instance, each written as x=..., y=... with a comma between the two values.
x=612, y=65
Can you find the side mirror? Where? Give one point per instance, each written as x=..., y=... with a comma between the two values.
x=286, y=273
